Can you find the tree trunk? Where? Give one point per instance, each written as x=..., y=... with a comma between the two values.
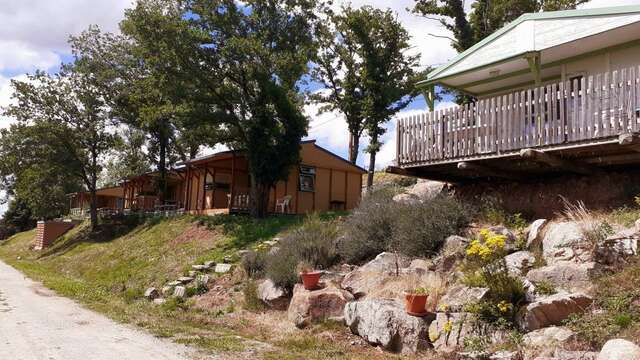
x=259, y=199
x=372, y=161
x=93, y=208
x=354, y=144
x=162, y=168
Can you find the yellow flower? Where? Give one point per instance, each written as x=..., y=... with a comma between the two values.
x=504, y=306
x=448, y=326
x=444, y=307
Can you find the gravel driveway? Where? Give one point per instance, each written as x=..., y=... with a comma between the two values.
x=37, y=324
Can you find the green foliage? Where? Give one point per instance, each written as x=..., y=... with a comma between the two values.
x=545, y=287
x=313, y=243
x=197, y=289
x=128, y=159
x=416, y=229
x=485, y=266
x=17, y=218
x=251, y=300
x=254, y=263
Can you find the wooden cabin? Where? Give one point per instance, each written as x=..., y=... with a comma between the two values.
x=109, y=198
x=220, y=183
x=554, y=92
x=322, y=181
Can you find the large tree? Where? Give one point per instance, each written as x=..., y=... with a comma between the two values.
x=34, y=170
x=70, y=109
x=339, y=68
x=242, y=62
x=128, y=157
x=389, y=75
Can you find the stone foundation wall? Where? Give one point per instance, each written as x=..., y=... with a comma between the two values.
x=48, y=231
x=543, y=197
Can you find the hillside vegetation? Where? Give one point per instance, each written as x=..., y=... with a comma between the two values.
x=108, y=272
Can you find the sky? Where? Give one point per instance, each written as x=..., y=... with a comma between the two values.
x=34, y=34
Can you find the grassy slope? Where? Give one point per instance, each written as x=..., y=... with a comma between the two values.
x=109, y=271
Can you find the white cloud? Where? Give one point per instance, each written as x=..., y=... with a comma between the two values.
x=35, y=32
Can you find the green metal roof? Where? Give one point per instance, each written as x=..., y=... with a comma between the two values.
x=618, y=10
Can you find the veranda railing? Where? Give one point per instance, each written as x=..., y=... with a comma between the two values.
x=584, y=110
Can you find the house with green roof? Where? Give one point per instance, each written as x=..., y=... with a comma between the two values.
x=553, y=92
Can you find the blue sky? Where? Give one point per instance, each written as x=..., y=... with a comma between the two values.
x=34, y=33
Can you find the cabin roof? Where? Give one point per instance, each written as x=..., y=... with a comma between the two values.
x=555, y=35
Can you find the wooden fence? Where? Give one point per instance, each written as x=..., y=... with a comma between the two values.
x=590, y=109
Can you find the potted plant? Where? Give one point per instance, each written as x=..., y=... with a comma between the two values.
x=310, y=277
x=415, y=301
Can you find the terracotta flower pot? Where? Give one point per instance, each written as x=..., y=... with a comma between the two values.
x=310, y=279
x=415, y=304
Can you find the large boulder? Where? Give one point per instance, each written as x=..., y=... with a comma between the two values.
x=561, y=354
x=374, y=273
x=564, y=241
x=272, y=296
x=552, y=310
x=312, y=306
x=427, y=189
x=449, y=330
x=617, y=248
x=408, y=199
x=535, y=232
x=619, y=349
x=548, y=336
x=459, y=295
x=385, y=323
x=566, y=275
x=519, y=262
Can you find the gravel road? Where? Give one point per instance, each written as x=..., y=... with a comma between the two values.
x=37, y=324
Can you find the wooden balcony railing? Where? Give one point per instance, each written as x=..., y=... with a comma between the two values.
x=588, y=110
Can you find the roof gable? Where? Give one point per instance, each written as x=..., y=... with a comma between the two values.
x=537, y=32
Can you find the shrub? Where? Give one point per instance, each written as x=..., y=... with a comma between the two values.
x=369, y=228
x=251, y=300
x=254, y=263
x=420, y=229
x=314, y=242
x=414, y=229
x=485, y=266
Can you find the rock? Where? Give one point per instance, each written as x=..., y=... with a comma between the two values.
x=408, y=199
x=448, y=331
x=421, y=265
x=202, y=280
x=619, y=349
x=159, y=301
x=312, y=306
x=505, y=355
x=199, y=267
x=241, y=253
x=548, y=336
x=617, y=248
x=637, y=225
x=385, y=323
x=566, y=275
x=519, y=262
x=272, y=242
x=560, y=354
x=274, y=250
x=227, y=259
x=530, y=290
x=222, y=268
x=458, y=296
x=552, y=310
x=564, y=241
x=151, y=293
x=535, y=230
x=174, y=283
x=271, y=295
x=427, y=190
x=372, y=274
x=179, y=291
x=185, y=279
x=502, y=230
x=454, y=244
x=192, y=273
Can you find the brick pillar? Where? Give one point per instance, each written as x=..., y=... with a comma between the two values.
x=48, y=231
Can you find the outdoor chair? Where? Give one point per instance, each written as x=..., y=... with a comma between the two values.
x=283, y=204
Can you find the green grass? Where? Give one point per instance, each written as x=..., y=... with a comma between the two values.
x=109, y=270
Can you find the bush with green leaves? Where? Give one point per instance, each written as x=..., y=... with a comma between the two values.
x=416, y=229
x=314, y=242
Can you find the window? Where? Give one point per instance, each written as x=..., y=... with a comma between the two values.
x=307, y=178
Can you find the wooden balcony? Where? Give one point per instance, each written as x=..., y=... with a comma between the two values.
x=577, y=126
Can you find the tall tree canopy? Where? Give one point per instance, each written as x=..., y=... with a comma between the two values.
x=242, y=63
x=68, y=111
